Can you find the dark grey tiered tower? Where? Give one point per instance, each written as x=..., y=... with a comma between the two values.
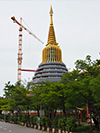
x=52, y=67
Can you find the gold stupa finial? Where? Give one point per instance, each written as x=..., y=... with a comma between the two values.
x=52, y=52
x=51, y=35
x=51, y=12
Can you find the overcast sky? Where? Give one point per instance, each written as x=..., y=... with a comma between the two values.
x=77, y=30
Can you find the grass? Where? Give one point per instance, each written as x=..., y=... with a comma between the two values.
x=85, y=129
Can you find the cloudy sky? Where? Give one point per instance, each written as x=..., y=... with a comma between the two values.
x=77, y=30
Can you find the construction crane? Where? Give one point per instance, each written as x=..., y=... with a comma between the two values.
x=20, y=47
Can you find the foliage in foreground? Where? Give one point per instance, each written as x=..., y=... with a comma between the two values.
x=76, y=89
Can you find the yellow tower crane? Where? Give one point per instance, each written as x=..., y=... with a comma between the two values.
x=20, y=45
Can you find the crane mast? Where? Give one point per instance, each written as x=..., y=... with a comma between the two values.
x=20, y=52
x=20, y=46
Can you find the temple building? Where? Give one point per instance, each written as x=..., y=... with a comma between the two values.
x=51, y=68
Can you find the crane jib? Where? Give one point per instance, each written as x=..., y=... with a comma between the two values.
x=13, y=18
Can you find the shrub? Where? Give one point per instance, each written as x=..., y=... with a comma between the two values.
x=1, y=116
x=42, y=121
x=25, y=118
x=20, y=117
x=70, y=124
x=55, y=122
x=33, y=120
x=62, y=123
x=48, y=122
x=15, y=118
x=9, y=117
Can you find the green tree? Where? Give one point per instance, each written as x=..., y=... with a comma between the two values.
x=16, y=97
x=80, y=84
x=36, y=90
x=54, y=97
x=73, y=99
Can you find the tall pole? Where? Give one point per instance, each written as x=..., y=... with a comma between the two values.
x=20, y=52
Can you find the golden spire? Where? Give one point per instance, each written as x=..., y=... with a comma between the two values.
x=52, y=52
x=51, y=12
x=51, y=35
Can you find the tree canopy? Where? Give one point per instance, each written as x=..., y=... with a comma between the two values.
x=76, y=89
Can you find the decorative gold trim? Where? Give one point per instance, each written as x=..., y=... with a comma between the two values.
x=52, y=52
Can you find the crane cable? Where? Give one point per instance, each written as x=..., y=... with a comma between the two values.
x=29, y=49
x=27, y=25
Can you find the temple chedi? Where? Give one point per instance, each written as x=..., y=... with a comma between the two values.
x=51, y=67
